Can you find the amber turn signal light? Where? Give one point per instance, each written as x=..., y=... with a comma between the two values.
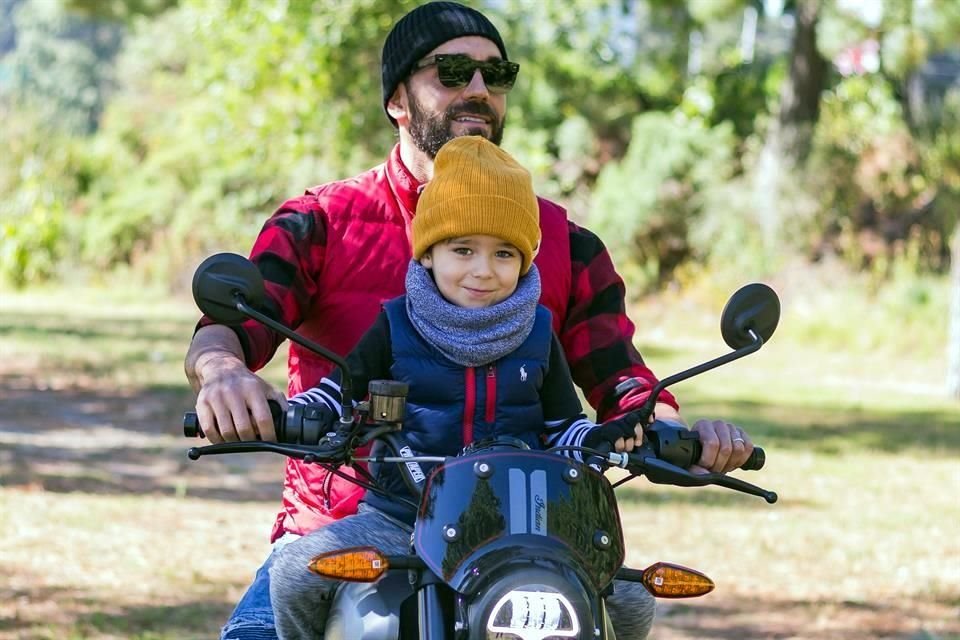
x=357, y=564
x=665, y=580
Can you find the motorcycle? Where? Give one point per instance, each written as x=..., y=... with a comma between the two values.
x=508, y=541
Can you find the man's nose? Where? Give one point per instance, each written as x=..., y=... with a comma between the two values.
x=477, y=88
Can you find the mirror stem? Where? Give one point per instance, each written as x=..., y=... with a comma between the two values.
x=346, y=382
x=647, y=409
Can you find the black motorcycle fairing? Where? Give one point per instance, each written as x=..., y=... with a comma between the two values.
x=473, y=503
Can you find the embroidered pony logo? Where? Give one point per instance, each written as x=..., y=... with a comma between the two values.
x=523, y=373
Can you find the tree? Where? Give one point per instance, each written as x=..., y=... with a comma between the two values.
x=57, y=64
x=788, y=141
x=225, y=109
x=953, y=343
x=588, y=67
x=800, y=98
x=125, y=11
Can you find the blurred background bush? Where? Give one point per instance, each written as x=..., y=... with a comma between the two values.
x=720, y=138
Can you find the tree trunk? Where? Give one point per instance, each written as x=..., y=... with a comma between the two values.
x=800, y=96
x=953, y=342
x=789, y=139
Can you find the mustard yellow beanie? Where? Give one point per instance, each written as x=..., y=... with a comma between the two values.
x=478, y=188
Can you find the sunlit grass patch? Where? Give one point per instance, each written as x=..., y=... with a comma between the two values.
x=97, y=337
x=89, y=566
x=855, y=527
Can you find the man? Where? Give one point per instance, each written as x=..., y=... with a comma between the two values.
x=330, y=258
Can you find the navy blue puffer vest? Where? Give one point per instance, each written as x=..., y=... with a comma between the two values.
x=450, y=406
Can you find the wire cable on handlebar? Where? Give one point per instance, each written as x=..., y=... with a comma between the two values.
x=369, y=486
x=366, y=474
x=581, y=450
x=594, y=452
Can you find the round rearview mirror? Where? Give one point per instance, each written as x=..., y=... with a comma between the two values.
x=753, y=307
x=219, y=280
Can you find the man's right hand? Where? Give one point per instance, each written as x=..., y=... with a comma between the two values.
x=231, y=400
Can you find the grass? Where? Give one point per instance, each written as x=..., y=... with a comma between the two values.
x=102, y=566
x=105, y=337
x=845, y=529
x=862, y=448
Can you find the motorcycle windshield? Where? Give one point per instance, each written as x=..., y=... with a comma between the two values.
x=527, y=502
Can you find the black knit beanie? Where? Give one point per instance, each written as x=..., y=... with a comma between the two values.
x=424, y=29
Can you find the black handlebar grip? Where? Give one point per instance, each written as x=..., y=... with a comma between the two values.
x=680, y=446
x=192, y=429
x=279, y=419
x=191, y=426
x=756, y=460
x=754, y=463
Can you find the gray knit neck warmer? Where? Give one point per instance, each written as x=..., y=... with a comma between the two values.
x=471, y=337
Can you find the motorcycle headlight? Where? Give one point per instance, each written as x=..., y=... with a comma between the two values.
x=531, y=614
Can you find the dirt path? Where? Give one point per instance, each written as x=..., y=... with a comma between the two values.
x=91, y=441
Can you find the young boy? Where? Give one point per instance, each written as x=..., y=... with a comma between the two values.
x=480, y=359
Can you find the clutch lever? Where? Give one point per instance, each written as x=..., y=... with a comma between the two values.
x=324, y=454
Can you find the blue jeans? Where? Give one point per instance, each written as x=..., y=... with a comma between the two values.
x=252, y=619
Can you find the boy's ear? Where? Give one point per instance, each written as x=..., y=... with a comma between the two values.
x=426, y=260
x=536, y=250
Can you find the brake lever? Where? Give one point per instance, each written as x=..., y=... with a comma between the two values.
x=660, y=471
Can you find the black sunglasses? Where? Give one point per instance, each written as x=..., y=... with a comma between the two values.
x=455, y=71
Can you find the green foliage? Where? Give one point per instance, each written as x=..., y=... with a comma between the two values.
x=706, y=11
x=127, y=10
x=646, y=204
x=52, y=89
x=911, y=34
x=224, y=111
x=744, y=92
x=941, y=162
x=838, y=29
x=899, y=315
x=601, y=60
x=882, y=191
x=30, y=242
x=37, y=181
x=57, y=66
x=908, y=32
x=215, y=112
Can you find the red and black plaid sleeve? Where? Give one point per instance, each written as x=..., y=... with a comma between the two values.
x=598, y=336
x=289, y=252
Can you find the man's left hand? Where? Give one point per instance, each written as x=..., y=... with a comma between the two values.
x=725, y=446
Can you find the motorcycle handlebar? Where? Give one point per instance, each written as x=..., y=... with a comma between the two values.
x=300, y=424
x=307, y=424
x=682, y=447
x=754, y=463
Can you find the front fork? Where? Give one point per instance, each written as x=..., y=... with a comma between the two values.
x=601, y=621
x=431, y=620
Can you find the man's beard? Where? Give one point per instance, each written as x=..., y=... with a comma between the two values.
x=432, y=131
